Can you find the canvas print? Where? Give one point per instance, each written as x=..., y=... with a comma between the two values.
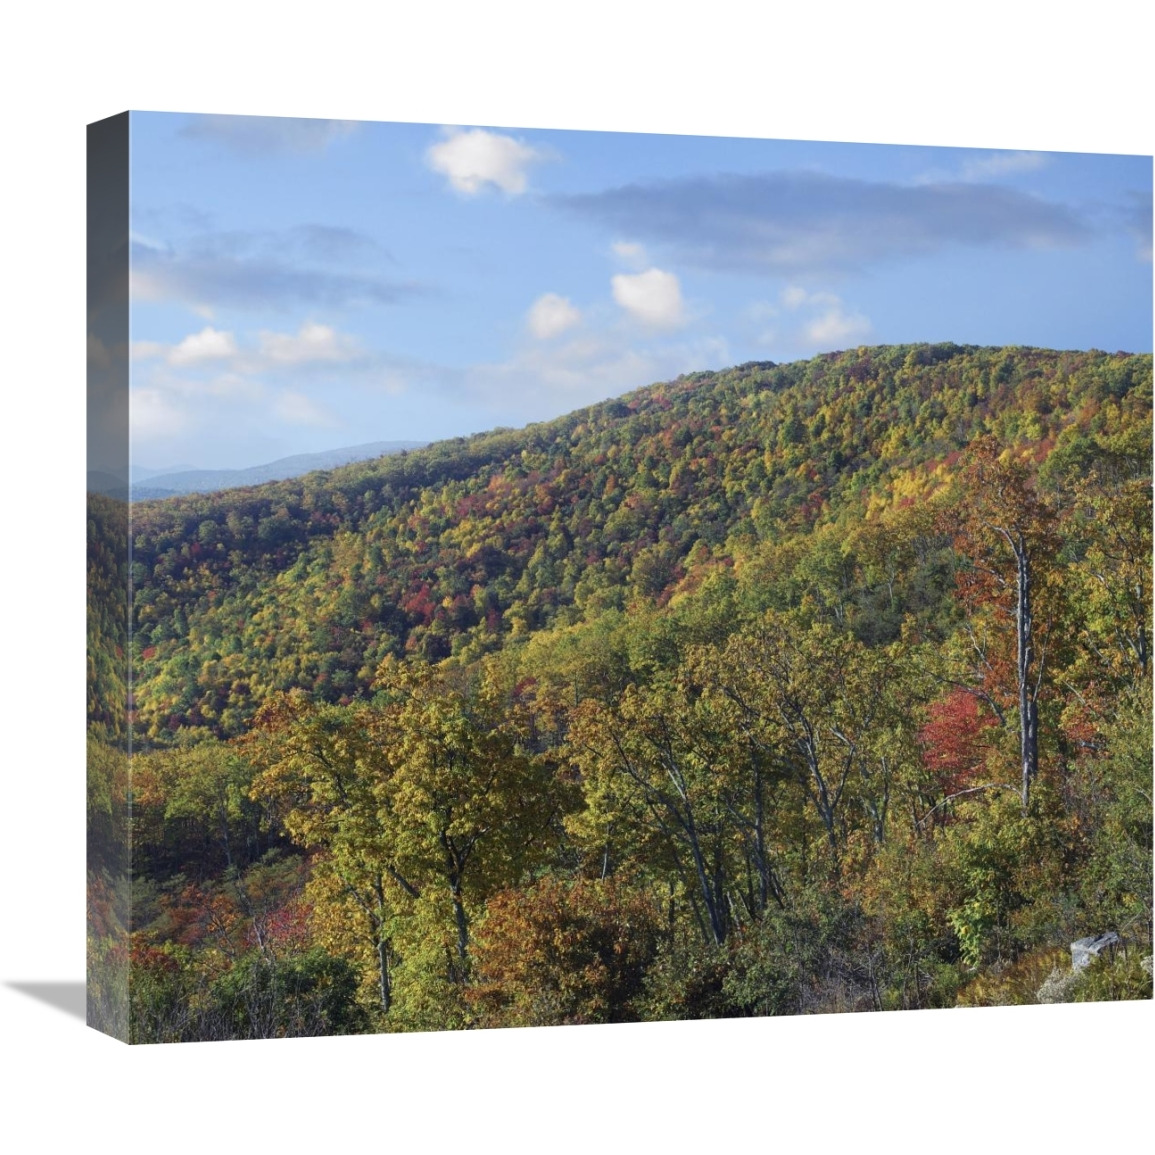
x=544, y=577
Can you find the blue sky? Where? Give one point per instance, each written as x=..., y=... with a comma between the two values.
x=300, y=285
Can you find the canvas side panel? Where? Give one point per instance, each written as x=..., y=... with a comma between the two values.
x=109, y=595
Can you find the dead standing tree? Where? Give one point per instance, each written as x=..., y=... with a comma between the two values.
x=1005, y=530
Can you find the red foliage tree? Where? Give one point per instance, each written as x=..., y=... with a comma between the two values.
x=953, y=741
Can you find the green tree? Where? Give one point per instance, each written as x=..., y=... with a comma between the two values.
x=427, y=801
x=834, y=716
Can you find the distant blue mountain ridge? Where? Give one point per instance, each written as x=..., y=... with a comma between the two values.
x=151, y=483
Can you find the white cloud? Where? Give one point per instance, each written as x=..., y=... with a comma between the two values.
x=793, y=297
x=804, y=321
x=837, y=327
x=551, y=315
x=630, y=252
x=542, y=380
x=984, y=168
x=170, y=405
x=246, y=385
x=208, y=345
x=474, y=158
x=311, y=343
x=1002, y=163
x=295, y=408
x=226, y=386
x=148, y=350
x=153, y=414
x=144, y=286
x=653, y=297
x=762, y=317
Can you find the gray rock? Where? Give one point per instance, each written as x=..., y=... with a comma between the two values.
x=1085, y=950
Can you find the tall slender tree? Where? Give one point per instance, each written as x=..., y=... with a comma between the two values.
x=1005, y=531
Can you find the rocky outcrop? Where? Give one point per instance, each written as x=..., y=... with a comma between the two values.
x=1084, y=951
x=1060, y=984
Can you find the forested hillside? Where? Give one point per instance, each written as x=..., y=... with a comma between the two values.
x=797, y=687
x=456, y=549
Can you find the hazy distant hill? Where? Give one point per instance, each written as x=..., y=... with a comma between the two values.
x=110, y=485
x=144, y=473
x=160, y=484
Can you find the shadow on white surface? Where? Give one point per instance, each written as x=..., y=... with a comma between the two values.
x=66, y=997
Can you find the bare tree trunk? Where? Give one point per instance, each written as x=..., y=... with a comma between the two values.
x=455, y=860
x=821, y=796
x=761, y=853
x=462, y=928
x=383, y=976
x=717, y=918
x=1028, y=707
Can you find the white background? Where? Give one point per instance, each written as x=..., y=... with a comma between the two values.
x=1008, y=74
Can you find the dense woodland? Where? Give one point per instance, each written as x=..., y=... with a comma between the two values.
x=789, y=688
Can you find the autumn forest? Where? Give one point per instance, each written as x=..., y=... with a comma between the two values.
x=783, y=689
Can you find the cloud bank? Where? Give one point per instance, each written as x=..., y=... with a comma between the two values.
x=542, y=380
x=225, y=389
x=311, y=266
x=1137, y=217
x=268, y=135
x=794, y=223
